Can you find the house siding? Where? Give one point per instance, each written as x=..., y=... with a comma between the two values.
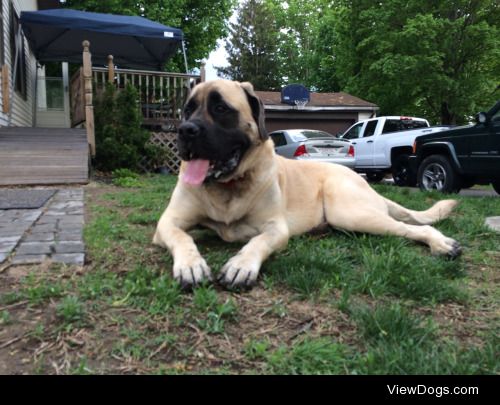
x=22, y=110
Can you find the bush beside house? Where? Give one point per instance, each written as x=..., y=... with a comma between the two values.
x=121, y=142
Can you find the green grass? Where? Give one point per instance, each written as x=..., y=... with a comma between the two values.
x=400, y=343
x=375, y=304
x=71, y=310
x=5, y=317
x=213, y=314
x=310, y=356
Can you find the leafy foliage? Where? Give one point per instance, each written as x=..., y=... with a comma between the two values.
x=253, y=46
x=120, y=140
x=440, y=60
x=202, y=21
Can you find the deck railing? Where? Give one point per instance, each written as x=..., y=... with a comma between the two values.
x=161, y=94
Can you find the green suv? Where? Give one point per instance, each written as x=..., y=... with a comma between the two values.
x=460, y=157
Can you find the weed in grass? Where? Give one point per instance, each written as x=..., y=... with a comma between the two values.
x=205, y=299
x=82, y=368
x=310, y=356
x=71, y=310
x=98, y=284
x=11, y=297
x=145, y=289
x=38, y=332
x=127, y=349
x=43, y=291
x=215, y=314
x=5, y=318
x=256, y=349
x=215, y=319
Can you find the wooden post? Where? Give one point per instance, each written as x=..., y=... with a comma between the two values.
x=89, y=108
x=203, y=72
x=5, y=89
x=111, y=69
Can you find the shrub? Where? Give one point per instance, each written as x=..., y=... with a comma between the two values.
x=120, y=139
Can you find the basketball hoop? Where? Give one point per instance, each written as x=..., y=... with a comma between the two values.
x=300, y=104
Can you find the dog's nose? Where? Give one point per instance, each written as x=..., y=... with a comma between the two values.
x=189, y=130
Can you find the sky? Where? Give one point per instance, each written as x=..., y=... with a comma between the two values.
x=219, y=56
x=216, y=58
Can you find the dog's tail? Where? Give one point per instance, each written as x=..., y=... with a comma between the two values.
x=437, y=212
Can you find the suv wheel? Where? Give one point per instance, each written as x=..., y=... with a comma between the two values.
x=375, y=177
x=496, y=186
x=401, y=172
x=437, y=173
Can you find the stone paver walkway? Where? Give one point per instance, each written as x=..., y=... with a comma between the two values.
x=53, y=232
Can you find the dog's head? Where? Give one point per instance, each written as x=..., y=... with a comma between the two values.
x=222, y=121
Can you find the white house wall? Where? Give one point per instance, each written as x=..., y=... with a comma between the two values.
x=22, y=110
x=366, y=115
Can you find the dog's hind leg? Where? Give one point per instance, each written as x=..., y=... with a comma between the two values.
x=437, y=212
x=368, y=213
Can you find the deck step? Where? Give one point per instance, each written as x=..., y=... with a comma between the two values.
x=30, y=156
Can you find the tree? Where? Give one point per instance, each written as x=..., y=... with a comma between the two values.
x=252, y=47
x=440, y=60
x=202, y=21
x=298, y=25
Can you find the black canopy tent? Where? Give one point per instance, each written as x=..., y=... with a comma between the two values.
x=135, y=42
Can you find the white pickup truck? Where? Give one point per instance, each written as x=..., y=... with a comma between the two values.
x=382, y=145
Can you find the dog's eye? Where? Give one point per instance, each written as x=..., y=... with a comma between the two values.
x=221, y=109
x=187, y=113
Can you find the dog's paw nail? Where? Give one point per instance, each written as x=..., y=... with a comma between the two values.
x=239, y=273
x=455, y=251
x=193, y=274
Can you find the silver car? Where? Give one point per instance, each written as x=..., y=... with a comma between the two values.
x=314, y=145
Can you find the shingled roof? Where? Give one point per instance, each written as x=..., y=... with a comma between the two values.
x=340, y=99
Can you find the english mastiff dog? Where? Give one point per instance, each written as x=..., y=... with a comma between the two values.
x=232, y=181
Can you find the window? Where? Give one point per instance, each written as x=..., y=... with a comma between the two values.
x=278, y=138
x=370, y=128
x=353, y=133
x=20, y=84
x=402, y=125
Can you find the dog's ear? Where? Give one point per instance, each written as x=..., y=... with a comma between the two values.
x=257, y=109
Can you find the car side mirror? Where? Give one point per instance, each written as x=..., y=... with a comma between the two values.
x=481, y=118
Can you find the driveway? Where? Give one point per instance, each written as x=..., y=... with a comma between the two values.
x=476, y=191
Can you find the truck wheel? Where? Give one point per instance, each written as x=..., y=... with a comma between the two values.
x=496, y=186
x=375, y=177
x=401, y=172
x=437, y=173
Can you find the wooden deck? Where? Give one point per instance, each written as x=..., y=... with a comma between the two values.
x=30, y=156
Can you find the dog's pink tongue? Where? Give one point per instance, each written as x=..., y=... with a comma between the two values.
x=196, y=171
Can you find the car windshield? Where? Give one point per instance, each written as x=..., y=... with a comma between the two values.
x=308, y=134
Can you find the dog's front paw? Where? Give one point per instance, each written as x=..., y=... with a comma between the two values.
x=239, y=272
x=192, y=272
